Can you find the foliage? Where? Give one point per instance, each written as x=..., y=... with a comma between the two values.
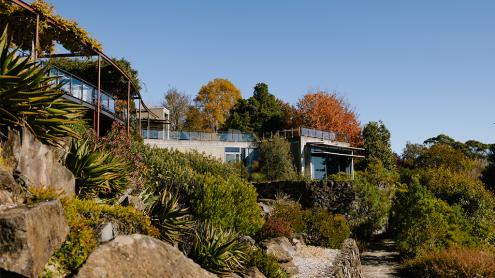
x=195, y=120
x=325, y=229
x=218, y=250
x=266, y=263
x=85, y=218
x=178, y=104
x=42, y=194
x=442, y=155
x=377, y=145
x=215, y=100
x=289, y=212
x=326, y=111
x=166, y=214
x=471, y=148
x=291, y=116
x=212, y=190
x=488, y=175
x=275, y=227
x=98, y=173
x=260, y=113
x=23, y=24
x=29, y=99
x=276, y=159
x=424, y=223
x=227, y=202
x=453, y=262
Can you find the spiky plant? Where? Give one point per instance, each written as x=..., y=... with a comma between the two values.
x=166, y=214
x=29, y=98
x=98, y=173
x=218, y=250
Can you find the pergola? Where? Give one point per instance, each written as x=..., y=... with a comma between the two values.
x=132, y=90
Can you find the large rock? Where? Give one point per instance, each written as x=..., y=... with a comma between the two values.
x=29, y=235
x=348, y=263
x=281, y=248
x=254, y=272
x=40, y=165
x=290, y=268
x=139, y=256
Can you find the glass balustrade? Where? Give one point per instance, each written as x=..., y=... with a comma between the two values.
x=153, y=133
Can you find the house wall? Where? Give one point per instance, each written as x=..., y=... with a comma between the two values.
x=213, y=148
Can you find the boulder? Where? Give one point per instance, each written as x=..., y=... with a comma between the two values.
x=139, y=256
x=107, y=233
x=281, y=248
x=290, y=268
x=254, y=272
x=40, y=165
x=29, y=235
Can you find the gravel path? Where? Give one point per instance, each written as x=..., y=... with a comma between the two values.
x=381, y=260
x=314, y=262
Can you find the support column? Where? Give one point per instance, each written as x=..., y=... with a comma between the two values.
x=352, y=165
x=98, y=100
x=36, y=38
x=148, y=127
x=139, y=118
x=128, y=107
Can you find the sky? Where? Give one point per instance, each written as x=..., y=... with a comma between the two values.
x=423, y=67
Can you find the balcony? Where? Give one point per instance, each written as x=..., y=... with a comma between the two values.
x=197, y=135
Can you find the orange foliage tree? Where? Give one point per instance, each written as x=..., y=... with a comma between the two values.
x=327, y=111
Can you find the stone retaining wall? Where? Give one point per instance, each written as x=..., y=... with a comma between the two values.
x=348, y=263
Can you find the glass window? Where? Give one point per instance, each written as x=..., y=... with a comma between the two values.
x=232, y=150
x=319, y=167
x=232, y=158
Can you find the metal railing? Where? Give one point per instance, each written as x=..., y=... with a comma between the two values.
x=308, y=132
x=84, y=91
x=197, y=135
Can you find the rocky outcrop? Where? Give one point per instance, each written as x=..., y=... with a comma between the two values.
x=40, y=165
x=348, y=263
x=139, y=256
x=29, y=235
x=254, y=272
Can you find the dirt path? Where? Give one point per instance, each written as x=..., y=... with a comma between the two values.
x=381, y=260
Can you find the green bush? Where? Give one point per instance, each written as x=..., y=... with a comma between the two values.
x=218, y=250
x=455, y=262
x=85, y=217
x=424, y=223
x=289, y=212
x=276, y=159
x=275, y=227
x=325, y=229
x=98, y=173
x=266, y=263
x=227, y=202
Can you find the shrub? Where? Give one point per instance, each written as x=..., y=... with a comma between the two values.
x=98, y=173
x=266, y=263
x=166, y=214
x=453, y=262
x=290, y=212
x=276, y=159
x=85, y=217
x=227, y=202
x=424, y=223
x=325, y=229
x=275, y=227
x=218, y=250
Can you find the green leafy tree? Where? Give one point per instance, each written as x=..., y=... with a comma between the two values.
x=276, y=159
x=260, y=113
x=377, y=145
x=488, y=176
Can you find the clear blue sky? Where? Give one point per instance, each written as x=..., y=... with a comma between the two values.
x=424, y=67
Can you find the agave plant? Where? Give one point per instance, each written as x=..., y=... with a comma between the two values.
x=29, y=98
x=166, y=214
x=218, y=250
x=98, y=173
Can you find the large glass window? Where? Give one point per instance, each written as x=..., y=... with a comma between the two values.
x=232, y=155
x=319, y=167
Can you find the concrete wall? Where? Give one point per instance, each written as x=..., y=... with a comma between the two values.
x=213, y=148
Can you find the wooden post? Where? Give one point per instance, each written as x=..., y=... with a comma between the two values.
x=128, y=106
x=37, y=38
x=139, y=118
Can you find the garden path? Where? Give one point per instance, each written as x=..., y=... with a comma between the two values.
x=381, y=259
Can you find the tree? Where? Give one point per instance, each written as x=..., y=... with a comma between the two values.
x=178, y=104
x=291, y=117
x=276, y=159
x=215, y=100
x=260, y=113
x=377, y=145
x=195, y=121
x=488, y=176
x=327, y=111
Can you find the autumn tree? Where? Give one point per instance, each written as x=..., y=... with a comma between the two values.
x=377, y=146
x=327, y=111
x=215, y=99
x=260, y=113
x=178, y=104
x=195, y=120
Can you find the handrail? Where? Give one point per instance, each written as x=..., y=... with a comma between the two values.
x=103, y=55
